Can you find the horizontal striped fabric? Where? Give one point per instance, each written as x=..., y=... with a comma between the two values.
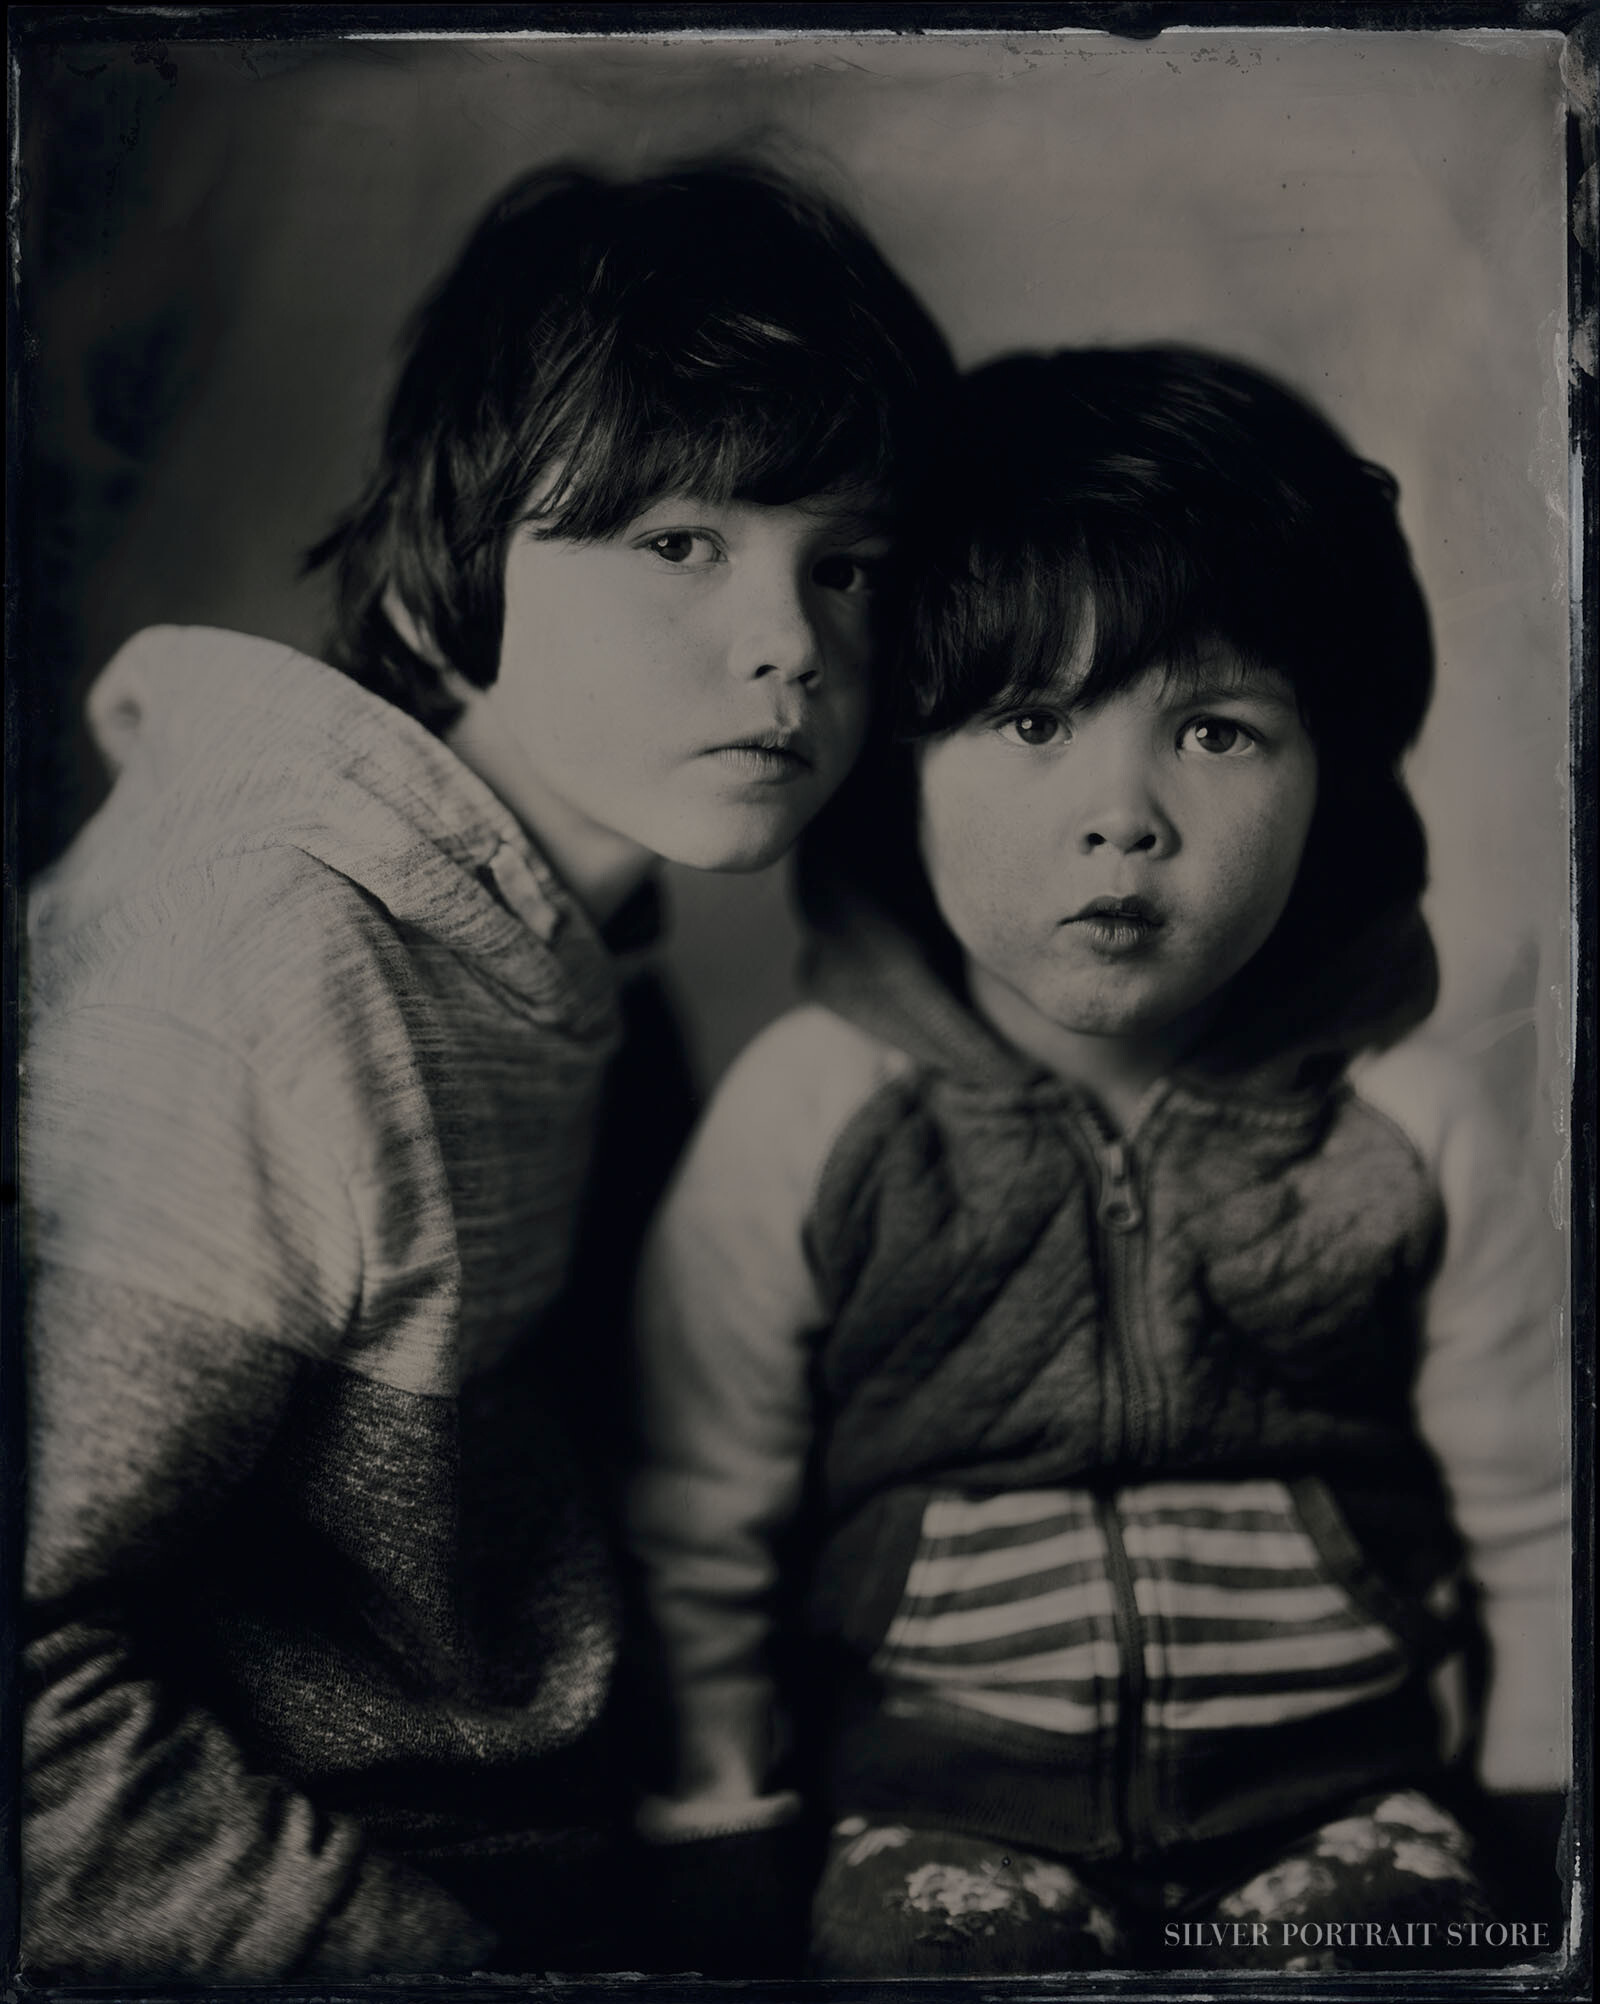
x=1010, y=1610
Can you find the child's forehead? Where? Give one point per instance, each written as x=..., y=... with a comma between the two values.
x=1207, y=667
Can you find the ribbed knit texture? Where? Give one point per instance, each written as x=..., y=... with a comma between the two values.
x=320, y=1612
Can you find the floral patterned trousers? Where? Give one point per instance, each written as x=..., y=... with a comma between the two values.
x=1388, y=1885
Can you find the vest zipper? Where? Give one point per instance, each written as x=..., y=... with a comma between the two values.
x=1119, y=1214
x=1119, y=1208
x=1135, y=1815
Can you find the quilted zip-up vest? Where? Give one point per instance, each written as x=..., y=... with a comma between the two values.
x=1020, y=1301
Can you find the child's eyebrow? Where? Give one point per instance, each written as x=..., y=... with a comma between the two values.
x=1210, y=682
x=1006, y=702
x=1186, y=686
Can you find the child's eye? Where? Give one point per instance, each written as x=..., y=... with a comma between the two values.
x=682, y=547
x=1034, y=728
x=1217, y=735
x=849, y=573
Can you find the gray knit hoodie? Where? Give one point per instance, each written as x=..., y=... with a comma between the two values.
x=320, y=1620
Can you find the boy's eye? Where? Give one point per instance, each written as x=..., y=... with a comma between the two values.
x=844, y=572
x=682, y=546
x=1033, y=727
x=1217, y=735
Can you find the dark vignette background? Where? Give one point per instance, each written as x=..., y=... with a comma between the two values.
x=216, y=239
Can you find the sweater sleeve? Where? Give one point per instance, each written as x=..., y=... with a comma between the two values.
x=190, y=1250
x=725, y=1308
x=1490, y=1404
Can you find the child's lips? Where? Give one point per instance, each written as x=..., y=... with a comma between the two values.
x=1127, y=911
x=1116, y=925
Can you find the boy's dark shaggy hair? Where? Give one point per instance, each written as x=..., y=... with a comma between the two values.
x=713, y=330
x=1178, y=499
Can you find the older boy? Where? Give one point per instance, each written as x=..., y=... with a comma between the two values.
x=321, y=1619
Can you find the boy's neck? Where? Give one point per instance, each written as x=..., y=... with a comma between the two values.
x=601, y=868
x=1117, y=1072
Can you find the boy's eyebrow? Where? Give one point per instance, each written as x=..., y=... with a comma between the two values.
x=851, y=515
x=850, y=518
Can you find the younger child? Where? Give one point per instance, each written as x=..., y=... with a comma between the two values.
x=322, y=1620
x=1150, y=1374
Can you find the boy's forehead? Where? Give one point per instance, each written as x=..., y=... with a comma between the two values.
x=857, y=510
x=874, y=503
x=850, y=511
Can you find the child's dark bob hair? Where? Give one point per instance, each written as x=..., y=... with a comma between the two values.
x=713, y=330
x=1177, y=500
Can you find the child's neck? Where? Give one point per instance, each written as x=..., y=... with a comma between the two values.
x=601, y=868
x=1117, y=1072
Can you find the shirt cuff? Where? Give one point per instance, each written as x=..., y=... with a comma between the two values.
x=662, y=1820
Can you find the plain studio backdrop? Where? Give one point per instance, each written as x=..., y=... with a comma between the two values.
x=221, y=241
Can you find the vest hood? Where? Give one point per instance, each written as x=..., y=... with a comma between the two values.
x=1296, y=1019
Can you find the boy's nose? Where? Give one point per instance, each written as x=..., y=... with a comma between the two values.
x=778, y=638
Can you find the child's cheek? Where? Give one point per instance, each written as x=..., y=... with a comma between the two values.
x=1255, y=860
x=980, y=848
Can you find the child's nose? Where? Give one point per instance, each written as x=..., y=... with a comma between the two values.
x=1122, y=813
x=1126, y=833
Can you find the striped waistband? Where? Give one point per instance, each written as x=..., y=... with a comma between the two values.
x=1027, y=1606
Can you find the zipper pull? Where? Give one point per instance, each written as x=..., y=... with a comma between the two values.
x=1119, y=1198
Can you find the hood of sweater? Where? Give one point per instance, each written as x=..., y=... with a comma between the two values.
x=220, y=744
x=1294, y=1031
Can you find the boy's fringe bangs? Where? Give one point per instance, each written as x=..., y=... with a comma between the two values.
x=437, y=539
x=634, y=443
x=710, y=332
x=653, y=395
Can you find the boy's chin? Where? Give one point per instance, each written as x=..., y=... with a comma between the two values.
x=741, y=861
x=737, y=850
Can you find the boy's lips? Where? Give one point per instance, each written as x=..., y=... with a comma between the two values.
x=768, y=755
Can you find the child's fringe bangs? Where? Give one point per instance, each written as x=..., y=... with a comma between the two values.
x=1006, y=627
